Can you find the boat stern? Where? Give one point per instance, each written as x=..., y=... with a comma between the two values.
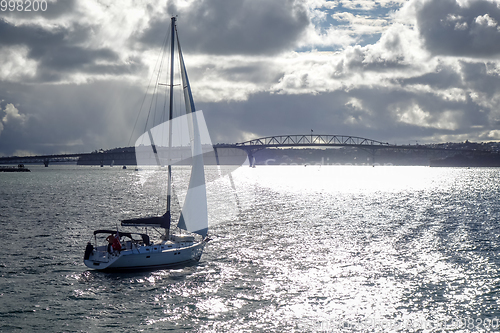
x=96, y=258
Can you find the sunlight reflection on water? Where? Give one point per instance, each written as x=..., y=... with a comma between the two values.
x=367, y=243
x=305, y=249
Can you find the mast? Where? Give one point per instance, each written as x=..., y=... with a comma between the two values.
x=170, y=117
x=194, y=212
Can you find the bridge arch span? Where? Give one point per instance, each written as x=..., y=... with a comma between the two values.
x=310, y=140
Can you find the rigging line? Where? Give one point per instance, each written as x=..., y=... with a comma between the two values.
x=160, y=69
x=146, y=93
x=150, y=106
x=156, y=93
x=179, y=91
x=180, y=106
x=167, y=74
x=163, y=114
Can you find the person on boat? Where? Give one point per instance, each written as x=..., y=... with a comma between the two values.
x=110, y=240
x=114, y=243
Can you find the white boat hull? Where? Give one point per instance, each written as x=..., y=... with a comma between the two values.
x=146, y=257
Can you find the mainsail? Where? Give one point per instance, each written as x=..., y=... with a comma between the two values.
x=194, y=215
x=173, y=142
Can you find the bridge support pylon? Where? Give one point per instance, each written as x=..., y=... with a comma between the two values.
x=216, y=156
x=251, y=158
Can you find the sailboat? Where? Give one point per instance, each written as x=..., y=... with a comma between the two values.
x=126, y=250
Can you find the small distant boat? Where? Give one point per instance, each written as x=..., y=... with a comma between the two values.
x=19, y=168
x=124, y=250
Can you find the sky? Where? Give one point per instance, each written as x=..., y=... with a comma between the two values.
x=72, y=77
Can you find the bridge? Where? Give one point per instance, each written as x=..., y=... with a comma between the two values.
x=45, y=159
x=327, y=140
x=316, y=140
x=122, y=156
x=310, y=141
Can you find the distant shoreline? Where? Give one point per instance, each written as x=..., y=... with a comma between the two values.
x=475, y=156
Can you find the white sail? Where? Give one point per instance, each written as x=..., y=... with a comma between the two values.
x=194, y=215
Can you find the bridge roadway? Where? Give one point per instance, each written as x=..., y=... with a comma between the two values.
x=307, y=141
x=45, y=159
x=319, y=140
x=250, y=147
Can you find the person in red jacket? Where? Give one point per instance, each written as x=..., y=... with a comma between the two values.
x=114, y=243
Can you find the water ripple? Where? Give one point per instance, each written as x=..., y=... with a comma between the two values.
x=295, y=249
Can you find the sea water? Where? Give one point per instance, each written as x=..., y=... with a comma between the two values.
x=294, y=249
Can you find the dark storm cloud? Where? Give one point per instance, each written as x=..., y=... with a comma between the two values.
x=444, y=77
x=277, y=114
x=469, y=30
x=54, y=49
x=256, y=73
x=468, y=76
x=331, y=113
x=58, y=54
x=11, y=34
x=234, y=27
x=478, y=79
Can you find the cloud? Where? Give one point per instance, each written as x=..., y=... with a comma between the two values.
x=12, y=118
x=12, y=115
x=55, y=53
x=396, y=55
x=454, y=28
x=364, y=5
x=16, y=65
x=394, y=71
x=361, y=24
x=248, y=27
